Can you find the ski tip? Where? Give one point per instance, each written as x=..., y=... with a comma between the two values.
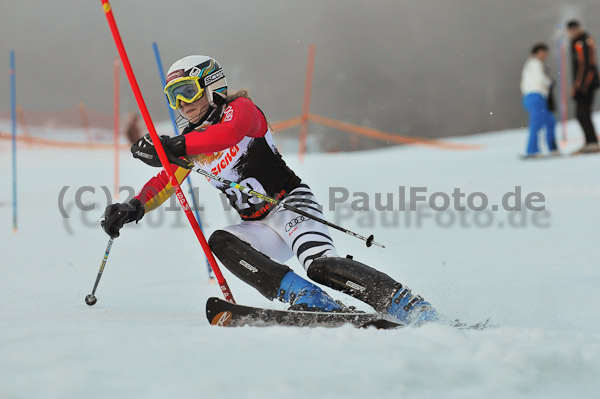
x=222, y=319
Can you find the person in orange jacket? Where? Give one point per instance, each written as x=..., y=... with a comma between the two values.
x=585, y=82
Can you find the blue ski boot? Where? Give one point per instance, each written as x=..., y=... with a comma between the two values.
x=411, y=309
x=304, y=295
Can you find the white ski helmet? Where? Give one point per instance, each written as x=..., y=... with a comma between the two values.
x=207, y=75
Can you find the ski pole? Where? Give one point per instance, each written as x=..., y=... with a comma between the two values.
x=184, y=164
x=91, y=299
x=161, y=152
x=161, y=73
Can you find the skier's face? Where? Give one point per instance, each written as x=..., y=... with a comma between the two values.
x=194, y=111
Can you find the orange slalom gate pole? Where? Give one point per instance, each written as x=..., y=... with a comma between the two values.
x=310, y=64
x=116, y=115
x=85, y=122
x=161, y=152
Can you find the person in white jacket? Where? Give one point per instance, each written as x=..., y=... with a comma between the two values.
x=535, y=88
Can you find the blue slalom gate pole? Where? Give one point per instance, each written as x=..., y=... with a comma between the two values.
x=13, y=114
x=161, y=72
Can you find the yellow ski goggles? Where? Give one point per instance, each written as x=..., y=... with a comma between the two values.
x=185, y=89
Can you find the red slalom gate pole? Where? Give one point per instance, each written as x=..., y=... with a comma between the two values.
x=116, y=127
x=564, y=114
x=161, y=152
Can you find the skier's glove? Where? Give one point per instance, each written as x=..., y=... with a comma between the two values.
x=116, y=215
x=144, y=149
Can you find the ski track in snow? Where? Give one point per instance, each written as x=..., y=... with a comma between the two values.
x=147, y=337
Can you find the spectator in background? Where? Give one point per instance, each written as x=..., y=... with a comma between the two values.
x=133, y=130
x=535, y=88
x=585, y=82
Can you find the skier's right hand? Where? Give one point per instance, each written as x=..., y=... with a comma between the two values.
x=116, y=215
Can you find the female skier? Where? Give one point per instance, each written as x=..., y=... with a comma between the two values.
x=228, y=135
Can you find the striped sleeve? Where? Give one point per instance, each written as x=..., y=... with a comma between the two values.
x=158, y=189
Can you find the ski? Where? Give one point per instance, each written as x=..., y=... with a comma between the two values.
x=582, y=151
x=557, y=156
x=227, y=314
x=541, y=157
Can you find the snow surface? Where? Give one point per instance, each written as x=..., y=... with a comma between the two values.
x=148, y=337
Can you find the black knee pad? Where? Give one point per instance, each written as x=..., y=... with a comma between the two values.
x=355, y=279
x=248, y=264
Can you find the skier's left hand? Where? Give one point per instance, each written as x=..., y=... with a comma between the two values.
x=144, y=149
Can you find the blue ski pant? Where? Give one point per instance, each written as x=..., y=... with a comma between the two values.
x=540, y=116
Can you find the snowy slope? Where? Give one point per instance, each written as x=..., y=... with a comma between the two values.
x=147, y=337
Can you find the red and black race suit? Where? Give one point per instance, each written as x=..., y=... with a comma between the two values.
x=241, y=149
